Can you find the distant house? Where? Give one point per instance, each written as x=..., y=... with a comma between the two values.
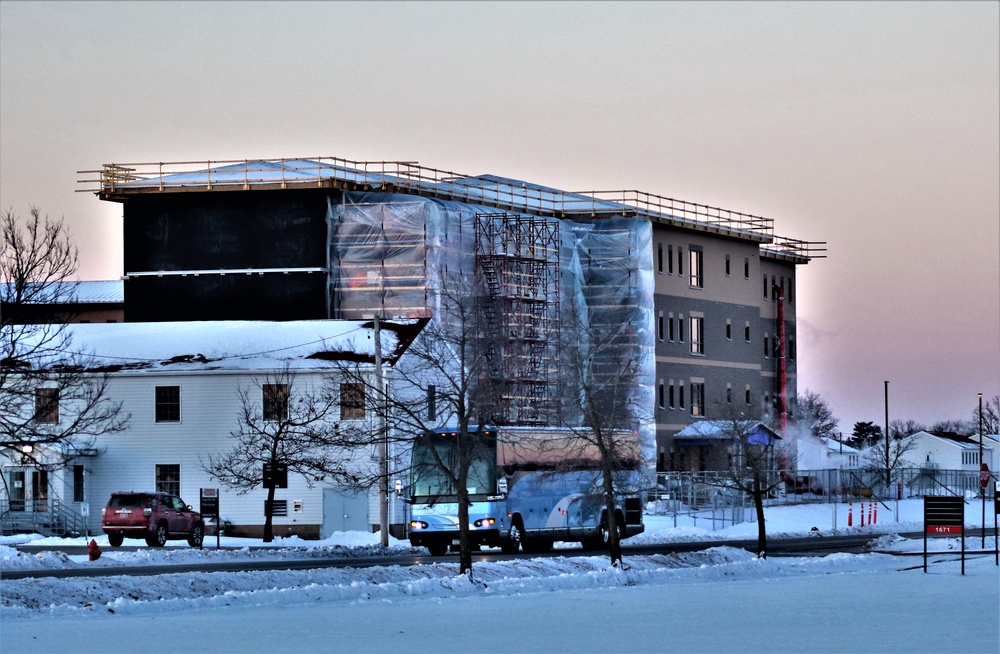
x=824, y=453
x=179, y=384
x=951, y=451
x=710, y=445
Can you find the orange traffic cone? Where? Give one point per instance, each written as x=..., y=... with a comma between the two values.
x=875, y=514
x=870, y=504
x=850, y=517
x=861, y=515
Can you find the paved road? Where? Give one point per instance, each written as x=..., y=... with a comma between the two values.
x=776, y=547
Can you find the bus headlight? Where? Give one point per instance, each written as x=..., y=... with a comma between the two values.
x=418, y=524
x=484, y=522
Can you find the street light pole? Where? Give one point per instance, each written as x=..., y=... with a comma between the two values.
x=982, y=486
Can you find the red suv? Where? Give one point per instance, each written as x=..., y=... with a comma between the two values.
x=157, y=517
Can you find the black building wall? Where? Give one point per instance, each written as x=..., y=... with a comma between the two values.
x=196, y=233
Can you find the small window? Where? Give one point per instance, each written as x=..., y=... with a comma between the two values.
x=747, y=398
x=680, y=328
x=765, y=287
x=680, y=261
x=168, y=478
x=168, y=404
x=431, y=402
x=352, y=401
x=662, y=394
x=728, y=266
x=729, y=393
x=729, y=329
x=697, y=281
x=670, y=326
x=697, y=335
x=659, y=326
x=680, y=395
x=791, y=291
x=659, y=257
x=275, y=397
x=791, y=349
x=746, y=267
x=670, y=259
x=767, y=346
x=673, y=402
x=746, y=332
x=79, y=492
x=697, y=399
x=47, y=405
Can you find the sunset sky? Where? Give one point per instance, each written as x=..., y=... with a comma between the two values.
x=872, y=126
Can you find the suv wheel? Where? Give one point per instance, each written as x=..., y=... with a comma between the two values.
x=197, y=536
x=116, y=540
x=159, y=537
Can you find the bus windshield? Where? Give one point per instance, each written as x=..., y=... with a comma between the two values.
x=430, y=481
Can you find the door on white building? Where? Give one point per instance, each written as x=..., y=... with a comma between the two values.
x=29, y=490
x=344, y=510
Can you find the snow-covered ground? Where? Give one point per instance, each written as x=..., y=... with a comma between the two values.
x=716, y=600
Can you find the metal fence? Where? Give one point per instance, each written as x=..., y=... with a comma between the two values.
x=707, y=500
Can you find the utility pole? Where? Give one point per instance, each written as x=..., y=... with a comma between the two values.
x=888, y=470
x=383, y=449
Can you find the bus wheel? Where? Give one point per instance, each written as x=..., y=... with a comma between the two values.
x=437, y=549
x=513, y=542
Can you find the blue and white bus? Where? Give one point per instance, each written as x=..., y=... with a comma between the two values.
x=528, y=487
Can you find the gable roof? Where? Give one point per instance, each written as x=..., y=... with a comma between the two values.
x=958, y=440
x=236, y=345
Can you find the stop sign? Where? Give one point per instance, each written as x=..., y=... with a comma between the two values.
x=984, y=475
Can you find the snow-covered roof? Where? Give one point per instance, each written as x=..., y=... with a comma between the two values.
x=838, y=447
x=236, y=345
x=704, y=431
x=110, y=291
x=951, y=438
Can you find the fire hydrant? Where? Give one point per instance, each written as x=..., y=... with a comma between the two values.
x=93, y=550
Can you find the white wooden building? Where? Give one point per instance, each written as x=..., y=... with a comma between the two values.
x=179, y=384
x=949, y=451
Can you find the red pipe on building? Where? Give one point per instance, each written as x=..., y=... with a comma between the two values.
x=779, y=352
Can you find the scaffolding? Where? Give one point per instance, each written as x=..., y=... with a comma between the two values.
x=517, y=261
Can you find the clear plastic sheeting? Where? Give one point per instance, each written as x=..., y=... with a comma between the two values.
x=391, y=254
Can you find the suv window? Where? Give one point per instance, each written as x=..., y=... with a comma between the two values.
x=178, y=503
x=127, y=501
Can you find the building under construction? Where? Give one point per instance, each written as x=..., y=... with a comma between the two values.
x=328, y=238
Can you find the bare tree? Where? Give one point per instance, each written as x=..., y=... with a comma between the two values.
x=814, y=412
x=903, y=428
x=964, y=427
x=752, y=453
x=296, y=430
x=990, y=416
x=888, y=457
x=603, y=408
x=54, y=399
x=447, y=378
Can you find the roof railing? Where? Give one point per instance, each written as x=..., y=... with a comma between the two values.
x=408, y=176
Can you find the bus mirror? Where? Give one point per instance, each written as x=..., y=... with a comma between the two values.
x=502, y=485
x=398, y=486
